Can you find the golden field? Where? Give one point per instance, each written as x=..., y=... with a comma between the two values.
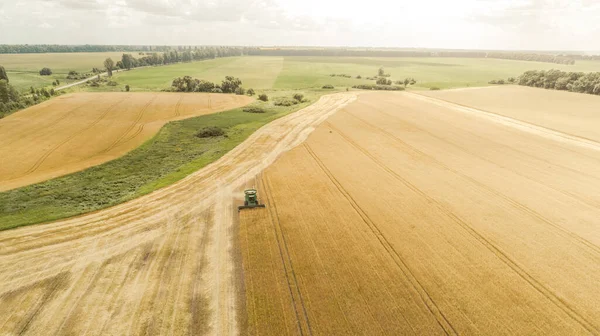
x=403, y=214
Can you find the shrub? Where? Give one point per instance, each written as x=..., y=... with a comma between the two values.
x=285, y=102
x=328, y=86
x=263, y=97
x=378, y=87
x=383, y=81
x=45, y=72
x=434, y=88
x=254, y=109
x=216, y=90
x=210, y=132
x=52, y=92
x=358, y=77
x=250, y=92
x=127, y=87
x=493, y=81
x=299, y=97
x=112, y=83
x=240, y=91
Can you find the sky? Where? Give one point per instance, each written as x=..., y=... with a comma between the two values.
x=452, y=24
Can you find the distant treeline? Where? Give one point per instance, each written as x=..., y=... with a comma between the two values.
x=54, y=48
x=128, y=61
x=340, y=52
x=561, y=80
x=559, y=59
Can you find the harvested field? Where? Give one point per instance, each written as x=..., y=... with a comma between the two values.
x=403, y=214
x=77, y=131
x=161, y=264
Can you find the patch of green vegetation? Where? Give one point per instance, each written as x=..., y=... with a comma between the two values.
x=172, y=154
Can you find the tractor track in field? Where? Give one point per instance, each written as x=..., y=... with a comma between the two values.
x=41, y=160
x=433, y=308
x=131, y=126
x=551, y=296
x=302, y=319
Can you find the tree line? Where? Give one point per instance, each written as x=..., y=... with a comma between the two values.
x=54, y=48
x=11, y=100
x=128, y=61
x=561, y=80
x=547, y=58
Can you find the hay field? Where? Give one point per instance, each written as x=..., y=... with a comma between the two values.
x=403, y=214
x=160, y=264
x=77, y=131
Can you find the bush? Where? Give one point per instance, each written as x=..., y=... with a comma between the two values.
x=216, y=90
x=298, y=96
x=383, y=81
x=45, y=72
x=358, y=77
x=285, y=102
x=127, y=87
x=240, y=91
x=328, y=86
x=263, y=97
x=112, y=83
x=434, y=88
x=378, y=87
x=254, y=109
x=210, y=132
x=250, y=92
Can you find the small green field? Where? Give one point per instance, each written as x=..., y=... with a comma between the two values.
x=262, y=72
x=23, y=69
x=169, y=156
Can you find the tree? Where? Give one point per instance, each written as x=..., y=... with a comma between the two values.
x=3, y=74
x=127, y=60
x=52, y=92
x=4, y=98
x=263, y=97
x=250, y=92
x=45, y=72
x=127, y=87
x=109, y=64
x=32, y=90
x=381, y=71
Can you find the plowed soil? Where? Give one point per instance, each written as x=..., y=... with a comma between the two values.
x=403, y=214
x=77, y=131
x=162, y=264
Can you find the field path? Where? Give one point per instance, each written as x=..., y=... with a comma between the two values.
x=77, y=131
x=158, y=264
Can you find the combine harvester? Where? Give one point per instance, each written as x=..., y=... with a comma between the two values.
x=251, y=200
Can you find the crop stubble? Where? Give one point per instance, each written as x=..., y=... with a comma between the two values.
x=403, y=215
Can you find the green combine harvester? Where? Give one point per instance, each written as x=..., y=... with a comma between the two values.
x=251, y=200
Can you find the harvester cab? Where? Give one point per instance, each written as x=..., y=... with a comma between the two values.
x=250, y=200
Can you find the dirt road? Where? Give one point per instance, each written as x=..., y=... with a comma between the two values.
x=403, y=214
x=161, y=264
x=77, y=131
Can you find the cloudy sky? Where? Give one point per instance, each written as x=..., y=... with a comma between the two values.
x=468, y=24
